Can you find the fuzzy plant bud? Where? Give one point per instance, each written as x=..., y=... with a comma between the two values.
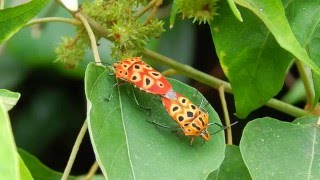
x=70, y=51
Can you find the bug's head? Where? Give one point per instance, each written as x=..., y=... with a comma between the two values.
x=116, y=64
x=205, y=135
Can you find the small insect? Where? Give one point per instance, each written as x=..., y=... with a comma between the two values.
x=143, y=76
x=192, y=120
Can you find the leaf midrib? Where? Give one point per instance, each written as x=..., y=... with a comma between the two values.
x=125, y=131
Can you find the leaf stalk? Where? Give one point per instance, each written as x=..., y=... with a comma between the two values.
x=54, y=19
x=307, y=83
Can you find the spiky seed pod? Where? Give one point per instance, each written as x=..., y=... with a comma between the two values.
x=129, y=33
x=202, y=11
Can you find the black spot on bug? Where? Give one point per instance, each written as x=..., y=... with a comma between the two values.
x=124, y=65
x=126, y=73
x=120, y=72
x=136, y=66
x=175, y=108
x=155, y=74
x=193, y=107
x=160, y=84
x=134, y=78
x=185, y=125
x=189, y=114
x=180, y=118
x=148, y=81
x=194, y=125
x=183, y=100
x=200, y=118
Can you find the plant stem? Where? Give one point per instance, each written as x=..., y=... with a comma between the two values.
x=153, y=12
x=145, y=9
x=92, y=37
x=1, y=4
x=201, y=76
x=287, y=108
x=92, y=171
x=54, y=19
x=169, y=72
x=75, y=150
x=226, y=114
x=307, y=83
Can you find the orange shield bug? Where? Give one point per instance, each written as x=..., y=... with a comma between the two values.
x=189, y=117
x=143, y=76
x=198, y=127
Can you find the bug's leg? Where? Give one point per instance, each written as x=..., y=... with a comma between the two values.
x=191, y=142
x=173, y=129
x=160, y=125
x=110, y=95
x=113, y=87
x=103, y=63
x=203, y=102
x=145, y=108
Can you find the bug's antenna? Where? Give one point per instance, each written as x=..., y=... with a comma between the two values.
x=222, y=127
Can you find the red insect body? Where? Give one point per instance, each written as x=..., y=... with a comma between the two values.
x=139, y=73
x=192, y=120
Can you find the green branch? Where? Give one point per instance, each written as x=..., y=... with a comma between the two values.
x=75, y=149
x=226, y=114
x=91, y=35
x=215, y=82
x=198, y=75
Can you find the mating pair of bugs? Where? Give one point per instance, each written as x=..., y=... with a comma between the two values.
x=191, y=119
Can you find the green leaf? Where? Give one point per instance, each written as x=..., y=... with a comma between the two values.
x=9, y=167
x=8, y=98
x=95, y=177
x=235, y=10
x=127, y=146
x=303, y=17
x=39, y=170
x=13, y=19
x=232, y=166
x=274, y=149
x=273, y=15
x=251, y=58
x=311, y=120
x=24, y=172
